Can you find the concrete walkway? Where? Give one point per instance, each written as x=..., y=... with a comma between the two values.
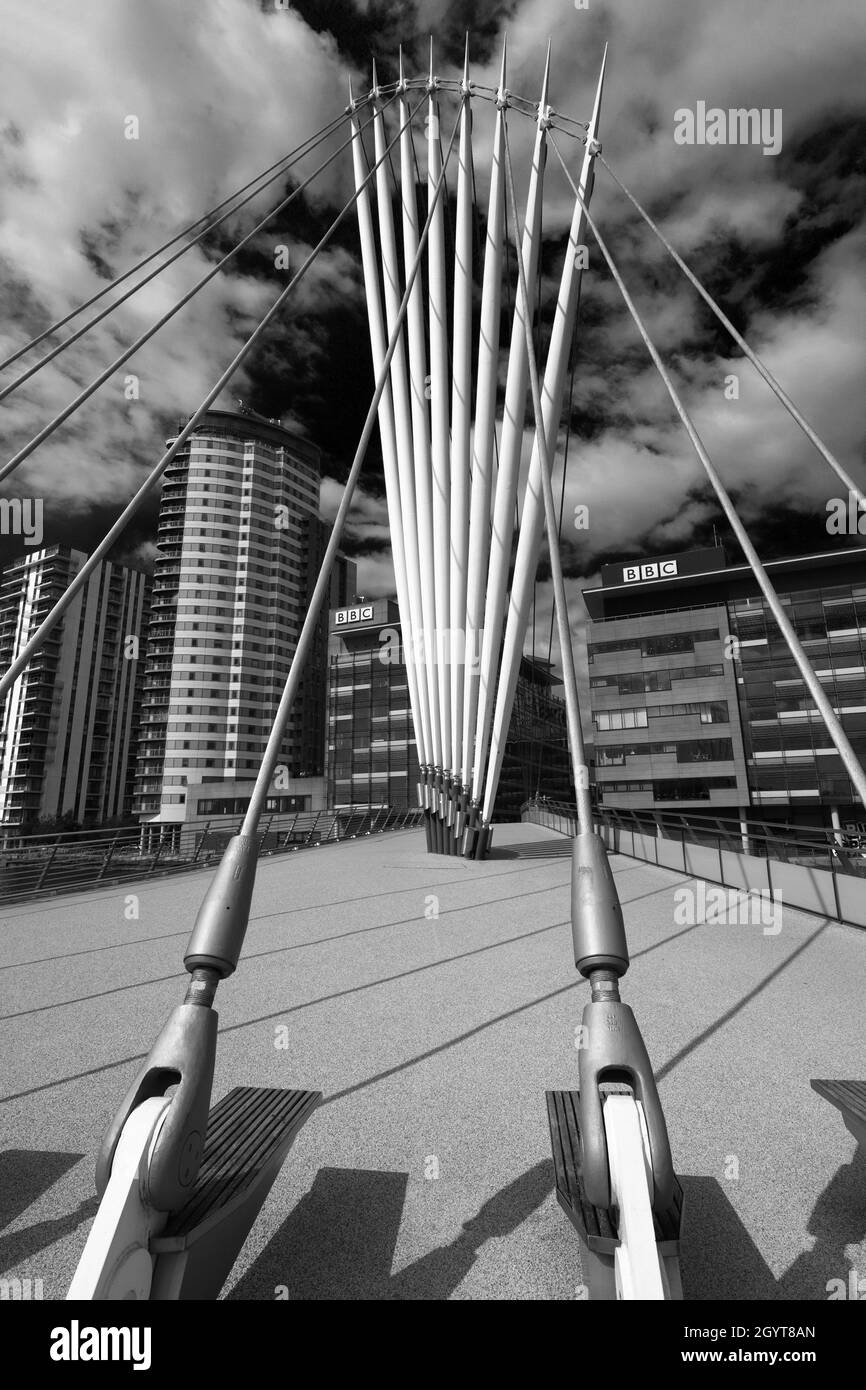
x=434, y=1001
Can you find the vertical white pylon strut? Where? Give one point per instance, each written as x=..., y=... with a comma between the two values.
x=420, y=424
x=378, y=341
x=510, y=447
x=566, y=649
x=532, y=521
x=461, y=421
x=484, y=435
x=439, y=415
x=402, y=431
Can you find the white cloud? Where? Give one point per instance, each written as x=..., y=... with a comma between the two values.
x=219, y=92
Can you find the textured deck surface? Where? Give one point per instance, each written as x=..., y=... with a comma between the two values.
x=434, y=1002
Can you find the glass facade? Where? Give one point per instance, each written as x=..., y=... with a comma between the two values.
x=371, y=756
x=789, y=754
x=536, y=760
x=769, y=751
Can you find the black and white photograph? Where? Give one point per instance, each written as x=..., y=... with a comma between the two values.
x=433, y=669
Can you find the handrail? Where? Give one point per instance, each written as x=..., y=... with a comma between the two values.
x=822, y=876
x=646, y=819
x=40, y=866
x=828, y=855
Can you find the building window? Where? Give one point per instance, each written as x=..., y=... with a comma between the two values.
x=639, y=682
x=696, y=750
x=620, y=719
x=658, y=644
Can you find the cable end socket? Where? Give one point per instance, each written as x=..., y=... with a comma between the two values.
x=596, y=916
x=221, y=924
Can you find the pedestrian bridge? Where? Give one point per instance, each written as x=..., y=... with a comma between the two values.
x=434, y=1002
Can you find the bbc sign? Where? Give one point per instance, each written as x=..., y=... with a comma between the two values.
x=661, y=569
x=343, y=616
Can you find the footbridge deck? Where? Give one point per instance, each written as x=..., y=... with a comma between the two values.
x=434, y=1002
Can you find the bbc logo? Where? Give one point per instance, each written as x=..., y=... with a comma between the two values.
x=662, y=569
x=354, y=615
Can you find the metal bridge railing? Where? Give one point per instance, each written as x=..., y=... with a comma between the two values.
x=781, y=849
x=38, y=866
x=812, y=847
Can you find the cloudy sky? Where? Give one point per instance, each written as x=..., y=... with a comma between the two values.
x=222, y=89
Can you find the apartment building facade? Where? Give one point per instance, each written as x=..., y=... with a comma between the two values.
x=69, y=723
x=240, y=542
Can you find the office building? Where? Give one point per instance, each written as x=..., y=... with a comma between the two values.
x=240, y=544
x=372, y=757
x=696, y=700
x=67, y=742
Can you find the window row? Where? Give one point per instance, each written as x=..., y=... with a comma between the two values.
x=659, y=644
x=699, y=750
x=709, y=712
x=638, y=682
x=674, y=789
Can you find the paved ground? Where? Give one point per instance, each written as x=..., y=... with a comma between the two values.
x=434, y=1039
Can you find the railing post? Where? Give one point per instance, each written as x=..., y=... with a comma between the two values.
x=835, y=888
x=107, y=860
x=51, y=859
x=201, y=843
x=769, y=879
x=156, y=857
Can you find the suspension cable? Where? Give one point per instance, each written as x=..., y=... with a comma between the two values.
x=97, y=318
x=272, y=751
x=154, y=328
x=132, y=507
x=297, y=153
x=572, y=701
x=831, y=720
x=753, y=357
